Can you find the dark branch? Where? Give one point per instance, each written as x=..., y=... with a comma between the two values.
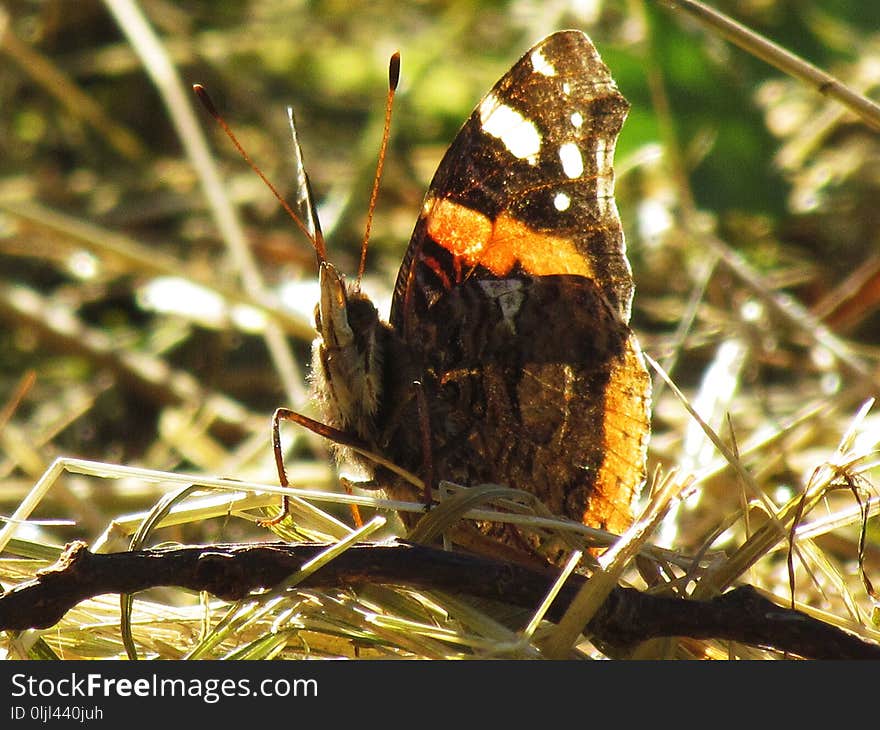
x=232, y=572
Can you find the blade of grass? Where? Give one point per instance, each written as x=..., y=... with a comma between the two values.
x=784, y=60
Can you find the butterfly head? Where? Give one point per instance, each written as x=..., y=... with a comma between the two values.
x=347, y=355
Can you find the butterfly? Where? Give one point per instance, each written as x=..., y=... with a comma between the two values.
x=507, y=357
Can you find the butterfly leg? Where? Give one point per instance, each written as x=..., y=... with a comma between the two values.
x=281, y=414
x=285, y=414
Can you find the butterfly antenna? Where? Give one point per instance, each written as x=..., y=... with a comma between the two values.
x=315, y=237
x=393, y=79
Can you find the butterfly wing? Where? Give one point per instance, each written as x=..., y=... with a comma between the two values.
x=527, y=184
x=515, y=294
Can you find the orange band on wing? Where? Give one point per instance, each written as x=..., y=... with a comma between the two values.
x=626, y=426
x=461, y=231
x=499, y=246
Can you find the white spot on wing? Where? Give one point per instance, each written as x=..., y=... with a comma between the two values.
x=518, y=134
x=541, y=64
x=509, y=297
x=561, y=201
x=601, y=152
x=572, y=162
x=604, y=181
x=577, y=120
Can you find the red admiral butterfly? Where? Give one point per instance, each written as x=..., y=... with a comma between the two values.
x=508, y=358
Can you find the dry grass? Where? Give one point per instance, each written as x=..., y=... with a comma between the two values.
x=148, y=418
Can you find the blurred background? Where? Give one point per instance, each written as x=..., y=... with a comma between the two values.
x=748, y=201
